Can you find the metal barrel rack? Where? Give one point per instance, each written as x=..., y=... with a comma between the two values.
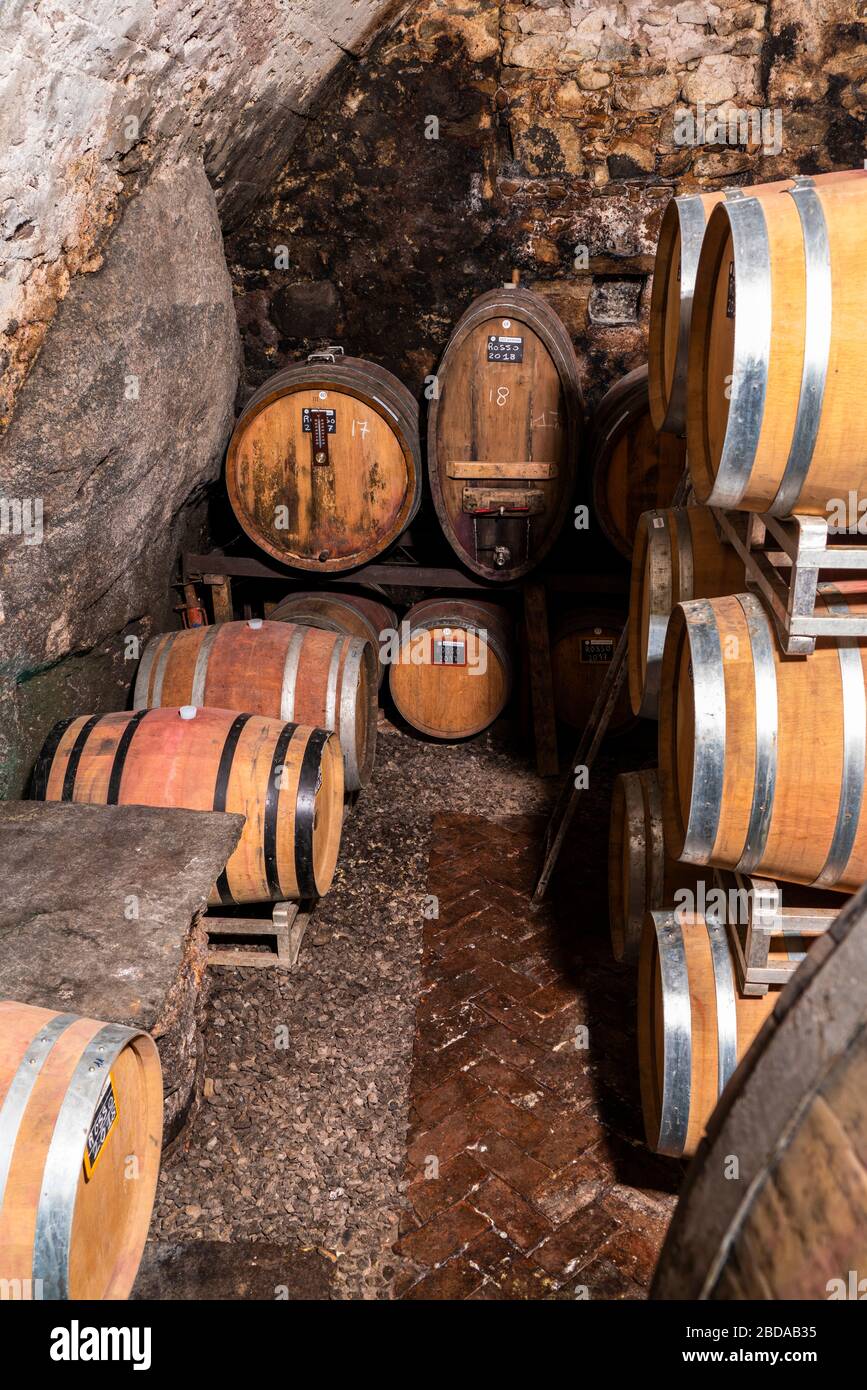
x=767, y=917
x=784, y=560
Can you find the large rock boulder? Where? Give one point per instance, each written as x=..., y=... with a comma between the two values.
x=120, y=424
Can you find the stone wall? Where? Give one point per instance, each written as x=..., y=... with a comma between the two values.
x=558, y=146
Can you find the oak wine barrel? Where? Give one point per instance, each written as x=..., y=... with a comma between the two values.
x=280, y=669
x=285, y=778
x=504, y=432
x=762, y=756
x=355, y=615
x=452, y=675
x=633, y=467
x=81, y=1119
x=641, y=877
x=678, y=556
x=324, y=465
x=583, y=643
x=694, y=1025
x=678, y=251
x=774, y=418
x=794, y=1223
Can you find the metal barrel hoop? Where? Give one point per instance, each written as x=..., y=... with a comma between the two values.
x=709, y=750
x=762, y=646
x=854, y=747
x=752, y=346
x=677, y=1035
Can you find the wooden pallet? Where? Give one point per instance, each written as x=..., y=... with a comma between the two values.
x=284, y=932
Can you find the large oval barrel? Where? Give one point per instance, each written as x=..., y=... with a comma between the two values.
x=774, y=422
x=583, y=643
x=694, y=1025
x=504, y=432
x=794, y=1223
x=451, y=675
x=355, y=615
x=633, y=467
x=324, y=465
x=81, y=1119
x=678, y=251
x=641, y=877
x=678, y=556
x=282, y=670
x=762, y=756
x=285, y=778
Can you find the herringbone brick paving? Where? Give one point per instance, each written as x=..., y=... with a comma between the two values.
x=526, y=1173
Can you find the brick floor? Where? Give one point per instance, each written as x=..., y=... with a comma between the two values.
x=526, y=1175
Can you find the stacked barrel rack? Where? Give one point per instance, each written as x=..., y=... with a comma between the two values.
x=727, y=861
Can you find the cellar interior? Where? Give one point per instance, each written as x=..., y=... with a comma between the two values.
x=429, y=1083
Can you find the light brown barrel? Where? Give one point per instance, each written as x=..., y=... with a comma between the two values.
x=693, y=1026
x=355, y=615
x=583, y=643
x=793, y=1222
x=285, y=778
x=452, y=672
x=633, y=467
x=762, y=756
x=641, y=877
x=775, y=376
x=678, y=556
x=324, y=465
x=282, y=670
x=81, y=1118
x=504, y=433
x=674, y=280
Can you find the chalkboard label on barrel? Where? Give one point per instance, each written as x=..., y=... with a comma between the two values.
x=730, y=295
x=596, y=650
x=104, y=1121
x=505, y=349
x=449, y=651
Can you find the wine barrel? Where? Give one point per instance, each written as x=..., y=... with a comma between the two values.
x=451, y=675
x=324, y=465
x=278, y=669
x=504, y=432
x=794, y=1224
x=694, y=1025
x=678, y=556
x=633, y=467
x=286, y=779
x=641, y=877
x=775, y=373
x=81, y=1119
x=761, y=756
x=674, y=278
x=355, y=615
x=583, y=643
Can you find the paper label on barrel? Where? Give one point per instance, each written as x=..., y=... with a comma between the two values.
x=597, y=649
x=505, y=349
x=307, y=420
x=449, y=651
x=104, y=1121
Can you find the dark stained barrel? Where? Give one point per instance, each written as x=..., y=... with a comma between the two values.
x=634, y=469
x=504, y=433
x=324, y=465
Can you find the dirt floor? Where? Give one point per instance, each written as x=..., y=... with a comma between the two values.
x=407, y=1113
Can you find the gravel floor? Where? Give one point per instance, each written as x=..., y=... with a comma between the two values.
x=301, y=1138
